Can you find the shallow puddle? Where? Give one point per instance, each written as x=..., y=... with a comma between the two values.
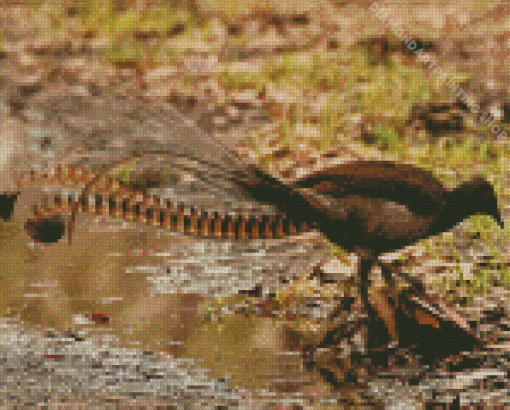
x=148, y=286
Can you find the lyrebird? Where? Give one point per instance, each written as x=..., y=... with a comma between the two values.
x=366, y=207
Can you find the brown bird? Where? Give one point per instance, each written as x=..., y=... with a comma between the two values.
x=375, y=207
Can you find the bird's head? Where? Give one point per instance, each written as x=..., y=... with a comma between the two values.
x=479, y=195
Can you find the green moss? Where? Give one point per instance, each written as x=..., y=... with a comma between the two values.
x=461, y=291
x=387, y=135
x=128, y=29
x=98, y=15
x=125, y=23
x=164, y=21
x=34, y=4
x=120, y=27
x=389, y=90
x=240, y=79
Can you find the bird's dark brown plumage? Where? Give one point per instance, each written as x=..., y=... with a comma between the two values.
x=374, y=207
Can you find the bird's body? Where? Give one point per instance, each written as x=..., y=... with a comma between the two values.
x=382, y=206
x=359, y=223
x=375, y=207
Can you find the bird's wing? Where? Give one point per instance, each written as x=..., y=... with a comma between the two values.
x=399, y=183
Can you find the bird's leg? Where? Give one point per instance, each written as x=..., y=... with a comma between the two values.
x=378, y=295
x=388, y=293
x=375, y=296
x=376, y=300
x=398, y=282
x=382, y=299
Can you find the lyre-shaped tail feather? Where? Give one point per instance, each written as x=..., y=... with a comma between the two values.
x=109, y=197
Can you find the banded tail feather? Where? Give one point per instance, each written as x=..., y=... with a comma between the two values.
x=108, y=197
